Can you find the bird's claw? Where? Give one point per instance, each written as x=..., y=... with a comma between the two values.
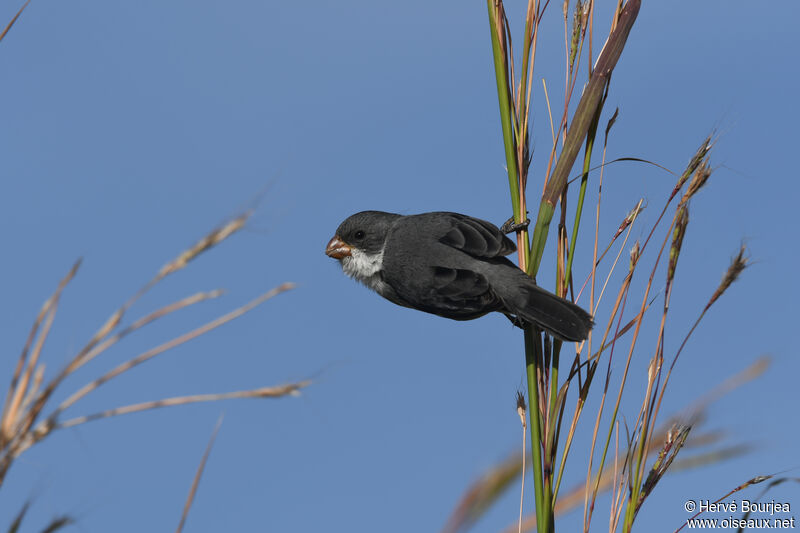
x=509, y=226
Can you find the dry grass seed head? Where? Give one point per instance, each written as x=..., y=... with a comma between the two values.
x=699, y=178
x=681, y=222
x=635, y=252
x=212, y=239
x=738, y=264
x=694, y=162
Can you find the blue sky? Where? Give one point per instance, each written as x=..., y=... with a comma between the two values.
x=131, y=129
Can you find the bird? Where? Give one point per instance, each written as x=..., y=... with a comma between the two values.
x=451, y=265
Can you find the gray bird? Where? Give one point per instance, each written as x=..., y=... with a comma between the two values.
x=450, y=265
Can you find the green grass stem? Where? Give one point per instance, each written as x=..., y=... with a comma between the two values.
x=532, y=364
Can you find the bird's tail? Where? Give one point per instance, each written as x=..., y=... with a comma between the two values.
x=534, y=305
x=560, y=317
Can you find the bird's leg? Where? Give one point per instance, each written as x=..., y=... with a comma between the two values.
x=510, y=227
x=517, y=321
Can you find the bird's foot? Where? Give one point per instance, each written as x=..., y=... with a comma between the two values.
x=509, y=226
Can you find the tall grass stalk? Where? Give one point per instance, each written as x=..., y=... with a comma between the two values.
x=542, y=357
x=27, y=416
x=548, y=386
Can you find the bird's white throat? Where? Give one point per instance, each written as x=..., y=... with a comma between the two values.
x=366, y=268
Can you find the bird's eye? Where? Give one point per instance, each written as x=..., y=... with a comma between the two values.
x=359, y=235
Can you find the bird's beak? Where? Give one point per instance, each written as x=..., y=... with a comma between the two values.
x=337, y=248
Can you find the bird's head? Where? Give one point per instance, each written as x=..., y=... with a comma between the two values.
x=365, y=232
x=359, y=241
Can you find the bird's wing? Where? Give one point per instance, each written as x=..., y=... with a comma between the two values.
x=474, y=236
x=455, y=293
x=458, y=283
x=437, y=264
